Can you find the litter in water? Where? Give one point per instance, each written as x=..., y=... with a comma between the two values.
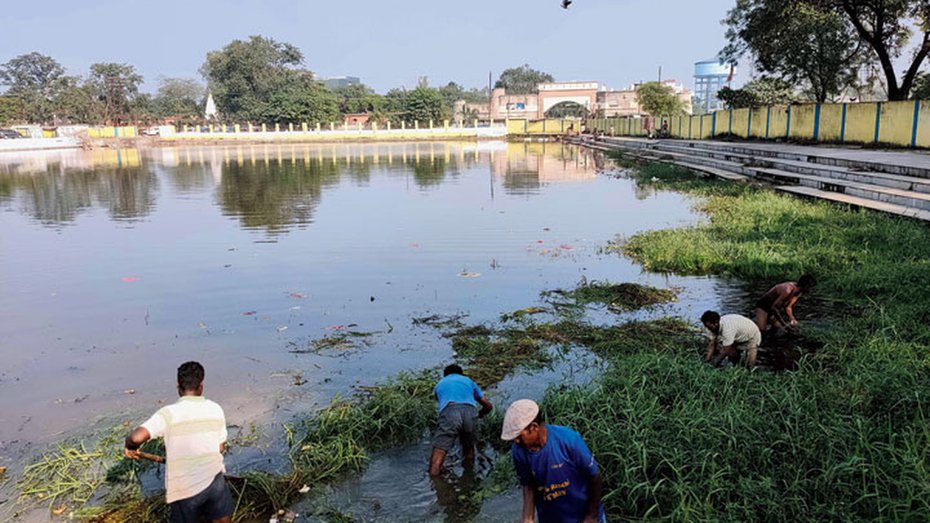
x=467, y=274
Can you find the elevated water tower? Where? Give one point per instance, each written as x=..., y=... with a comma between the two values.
x=709, y=77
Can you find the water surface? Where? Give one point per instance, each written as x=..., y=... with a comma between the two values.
x=117, y=266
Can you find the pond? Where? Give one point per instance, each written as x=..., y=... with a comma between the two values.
x=118, y=265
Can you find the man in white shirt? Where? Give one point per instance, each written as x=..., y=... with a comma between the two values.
x=735, y=334
x=194, y=429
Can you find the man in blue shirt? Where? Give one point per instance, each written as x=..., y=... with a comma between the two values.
x=458, y=398
x=560, y=477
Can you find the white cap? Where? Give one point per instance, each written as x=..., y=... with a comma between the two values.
x=519, y=415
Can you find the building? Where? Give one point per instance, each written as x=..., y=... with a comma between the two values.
x=338, y=82
x=556, y=99
x=625, y=102
x=709, y=77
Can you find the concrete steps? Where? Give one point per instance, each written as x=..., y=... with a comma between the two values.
x=856, y=201
x=858, y=178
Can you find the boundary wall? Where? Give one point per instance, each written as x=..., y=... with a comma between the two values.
x=900, y=124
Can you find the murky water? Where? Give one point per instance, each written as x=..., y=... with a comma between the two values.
x=116, y=266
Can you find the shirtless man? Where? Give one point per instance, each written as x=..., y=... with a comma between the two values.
x=776, y=306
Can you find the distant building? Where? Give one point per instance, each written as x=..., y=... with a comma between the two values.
x=709, y=77
x=625, y=103
x=555, y=99
x=338, y=82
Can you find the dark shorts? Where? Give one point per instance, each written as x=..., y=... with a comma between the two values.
x=214, y=502
x=456, y=421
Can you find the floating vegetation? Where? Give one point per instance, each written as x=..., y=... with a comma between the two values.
x=522, y=313
x=622, y=297
x=339, y=341
x=441, y=321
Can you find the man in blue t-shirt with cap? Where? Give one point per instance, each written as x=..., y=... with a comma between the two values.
x=560, y=477
x=458, y=398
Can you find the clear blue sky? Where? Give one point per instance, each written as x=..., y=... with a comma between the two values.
x=387, y=44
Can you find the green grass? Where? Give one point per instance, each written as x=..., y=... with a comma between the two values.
x=844, y=438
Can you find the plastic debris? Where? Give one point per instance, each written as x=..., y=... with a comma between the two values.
x=468, y=274
x=304, y=489
x=282, y=328
x=130, y=278
x=297, y=295
x=566, y=247
x=130, y=391
x=250, y=313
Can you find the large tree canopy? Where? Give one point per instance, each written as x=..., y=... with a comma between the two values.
x=245, y=75
x=824, y=42
x=760, y=92
x=36, y=80
x=803, y=44
x=116, y=86
x=179, y=98
x=522, y=80
x=658, y=99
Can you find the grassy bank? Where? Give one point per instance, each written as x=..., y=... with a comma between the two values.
x=845, y=438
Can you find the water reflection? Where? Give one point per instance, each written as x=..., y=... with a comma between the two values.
x=56, y=189
x=525, y=167
x=275, y=196
x=267, y=187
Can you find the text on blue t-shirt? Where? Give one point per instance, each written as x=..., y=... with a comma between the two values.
x=559, y=472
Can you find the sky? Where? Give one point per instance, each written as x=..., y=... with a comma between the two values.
x=387, y=44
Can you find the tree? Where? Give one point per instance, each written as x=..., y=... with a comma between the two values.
x=12, y=110
x=35, y=80
x=78, y=102
x=305, y=100
x=829, y=39
x=887, y=26
x=358, y=98
x=117, y=86
x=179, y=98
x=658, y=99
x=760, y=92
x=245, y=75
x=522, y=80
x=921, y=89
x=796, y=41
x=424, y=104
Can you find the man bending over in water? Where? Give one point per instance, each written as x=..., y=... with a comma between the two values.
x=776, y=306
x=735, y=333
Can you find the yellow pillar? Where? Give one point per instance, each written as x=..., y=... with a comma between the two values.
x=374, y=126
x=237, y=129
x=358, y=126
x=332, y=126
x=290, y=127
x=264, y=128
x=345, y=126
x=403, y=125
x=416, y=124
x=445, y=125
x=303, y=127
x=430, y=123
x=211, y=128
x=476, y=123
x=277, y=127
x=318, y=127
x=388, y=125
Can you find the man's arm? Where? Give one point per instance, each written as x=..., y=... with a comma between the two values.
x=724, y=352
x=789, y=309
x=134, y=440
x=486, y=407
x=710, y=348
x=595, y=487
x=529, y=505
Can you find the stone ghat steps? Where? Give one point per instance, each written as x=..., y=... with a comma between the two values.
x=903, y=163
x=855, y=183
x=856, y=201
